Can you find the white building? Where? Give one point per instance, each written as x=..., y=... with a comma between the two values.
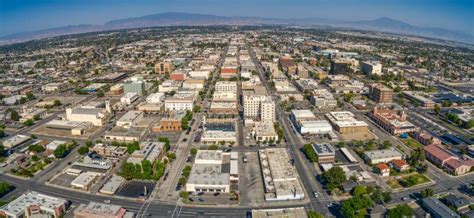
x=280, y=177
x=382, y=156
x=226, y=86
x=371, y=67
x=33, y=204
x=96, y=116
x=85, y=180
x=169, y=85
x=208, y=173
x=155, y=98
x=15, y=141
x=150, y=151
x=53, y=87
x=265, y=131
x=130, y=119
x=259, y=106
x=129, y=98
x=183, y=101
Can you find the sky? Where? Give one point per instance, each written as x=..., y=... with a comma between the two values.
x=29, y=15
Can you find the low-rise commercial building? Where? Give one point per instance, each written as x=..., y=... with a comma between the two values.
x=150, y=151
x=265, y=131
x=99, y=210
x=32, y=204
x=130, y=119
x=85, y=180
x=419, y=98
x=96, y=116
x=178, y=102
x=326, y=153
x=170, y=123
x=280, y=177
x=134, y=87
x=129, y=98
x=394, y=122
x=213, y=171
x=382, y=156
x=226, y=86
x=345, y=122
x=15, y=141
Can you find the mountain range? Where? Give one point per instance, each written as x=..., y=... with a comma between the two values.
x=383, y=24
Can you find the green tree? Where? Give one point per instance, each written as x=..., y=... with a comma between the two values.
x=60, y=151
x=83, y=150
x=212, y=147
x=128, y=170
x=36, y=117
x=89, y=144
x=100, y=94
x=310, y=153
x=184, y=195
x=197, y=109
x=359, y=190
x=437, y=109
x=14, y=115
x=194, y=151
x=355, y=207
x=387, y=197
x=30, y=96
x=166, y=141
x=377, y=196
x=29, y=122
x=147, y=169
x=469, y=124
x=313, y=214
x=427, y=193
x=182, y=181
x=400, y=211
x=57, y=103
x=334, y=177
x=36, y=149
x=171, y=155
x=4, y=188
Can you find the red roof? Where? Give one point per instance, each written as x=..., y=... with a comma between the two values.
x=399, y=163
x=438, y=152
x=382, y=166
x=453, y=164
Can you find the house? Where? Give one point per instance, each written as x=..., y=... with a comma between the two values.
x=399, y=165
x=382, y=169
x=458, y=202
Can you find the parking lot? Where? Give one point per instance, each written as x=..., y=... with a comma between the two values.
x=136, y=189
x=63, y=180
x=254, y=187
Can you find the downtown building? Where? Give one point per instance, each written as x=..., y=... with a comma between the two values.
x=259, y=107
x=380, y=93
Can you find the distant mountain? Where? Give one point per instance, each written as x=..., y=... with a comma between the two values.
x=58, y=31
x=385, y=24
x=382, y=24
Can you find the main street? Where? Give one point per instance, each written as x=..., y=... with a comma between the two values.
x=307, y=173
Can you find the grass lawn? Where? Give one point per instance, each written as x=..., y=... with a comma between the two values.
x=394, y=184
x=412, y=143
x=413, y=179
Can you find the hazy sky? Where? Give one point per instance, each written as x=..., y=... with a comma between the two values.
x=28, y=15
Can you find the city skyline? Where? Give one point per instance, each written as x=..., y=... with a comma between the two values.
x=50, y=14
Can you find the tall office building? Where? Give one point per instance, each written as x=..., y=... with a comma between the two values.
x=259, y=107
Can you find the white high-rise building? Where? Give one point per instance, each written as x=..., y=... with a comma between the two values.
x=259, y=106
x=267, y=110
